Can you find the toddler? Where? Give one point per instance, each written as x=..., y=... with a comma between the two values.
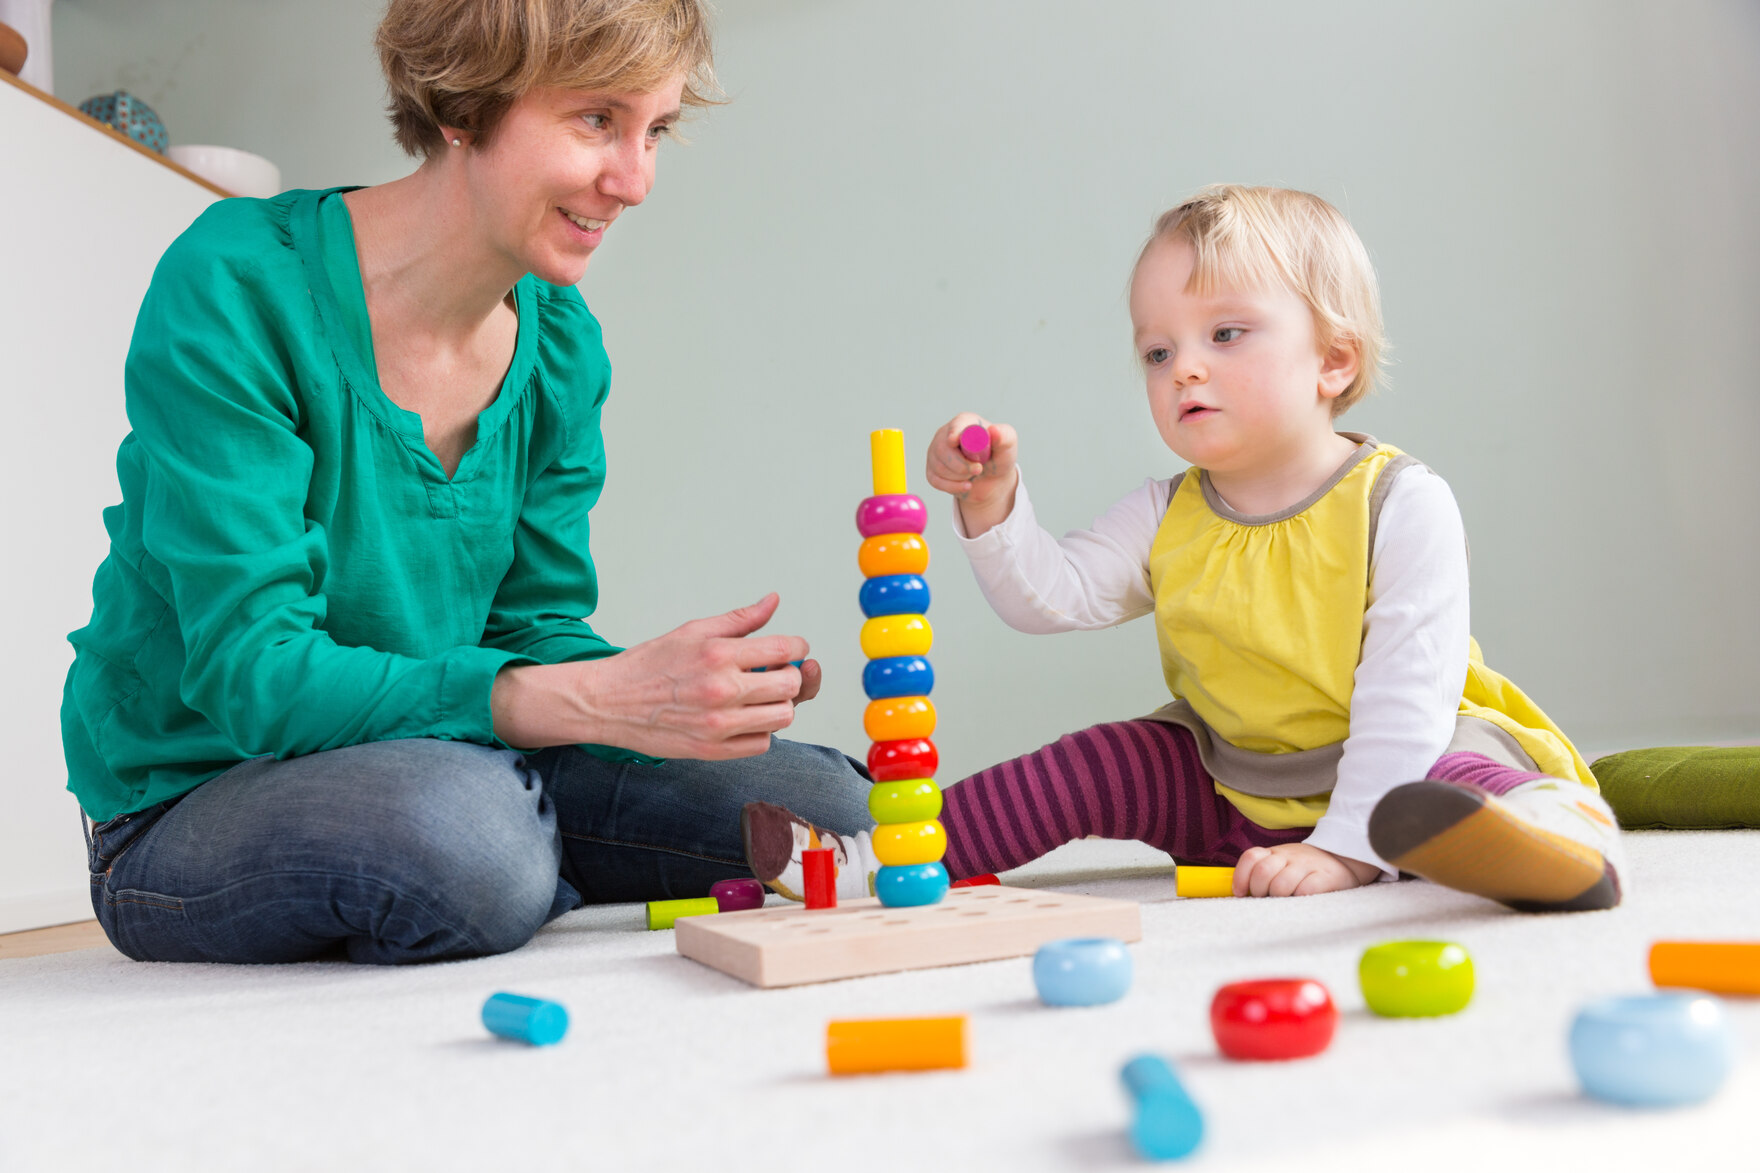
x=1332, y=721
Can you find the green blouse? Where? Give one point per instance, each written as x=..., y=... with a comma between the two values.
x=290, y=569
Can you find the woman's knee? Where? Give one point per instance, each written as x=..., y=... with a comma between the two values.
x=816, y=782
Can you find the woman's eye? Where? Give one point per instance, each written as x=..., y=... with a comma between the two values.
x=1228, y=333
x=597, y=121
x=656, y=133
x=1157, y=355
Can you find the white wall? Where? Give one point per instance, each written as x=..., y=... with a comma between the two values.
x=85, y=219
x=920, y=206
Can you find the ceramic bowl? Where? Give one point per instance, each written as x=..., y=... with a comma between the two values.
x=239, y=172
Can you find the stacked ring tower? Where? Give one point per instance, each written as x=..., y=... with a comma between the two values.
x=909, y=841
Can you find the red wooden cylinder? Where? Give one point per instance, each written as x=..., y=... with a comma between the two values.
x=821, y=877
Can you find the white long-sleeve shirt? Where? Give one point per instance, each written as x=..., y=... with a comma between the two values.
x=1413, y=666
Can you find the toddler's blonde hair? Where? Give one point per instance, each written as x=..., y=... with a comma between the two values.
x=1249, y=238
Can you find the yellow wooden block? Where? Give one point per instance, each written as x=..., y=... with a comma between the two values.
x=896, y=635
x=1196, y=881
x=886, y=446
x=899, y=718
x=899, y=845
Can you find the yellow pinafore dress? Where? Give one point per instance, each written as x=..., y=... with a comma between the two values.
x=1260, y=622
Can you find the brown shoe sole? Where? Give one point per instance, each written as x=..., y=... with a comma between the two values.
x=1455, y=837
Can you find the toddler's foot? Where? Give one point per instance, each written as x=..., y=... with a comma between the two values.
x=775, y=838
x=1546, y=846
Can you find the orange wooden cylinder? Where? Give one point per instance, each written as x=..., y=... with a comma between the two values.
x=1722, y=967
x=857, y=1045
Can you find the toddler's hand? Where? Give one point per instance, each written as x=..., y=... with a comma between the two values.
x=1295, y=869
x=985, y=490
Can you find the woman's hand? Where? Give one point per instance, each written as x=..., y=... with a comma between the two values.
x=985, y=491
x=691, y=693
x=1295, y=869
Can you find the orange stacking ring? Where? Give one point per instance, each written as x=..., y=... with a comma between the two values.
x=893, y=554
x=899, y=717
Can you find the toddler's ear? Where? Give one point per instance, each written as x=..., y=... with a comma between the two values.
x=1339, y=367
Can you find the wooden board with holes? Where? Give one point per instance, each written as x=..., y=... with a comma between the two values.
x=792, y=946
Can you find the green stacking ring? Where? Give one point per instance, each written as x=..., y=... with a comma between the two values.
x=909, y=800
x=1416, y=979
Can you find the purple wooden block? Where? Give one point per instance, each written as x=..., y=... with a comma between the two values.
x=893, y=513
x=735, y=895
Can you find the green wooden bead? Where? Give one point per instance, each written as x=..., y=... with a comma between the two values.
x=1416, y=979
x=910, y=800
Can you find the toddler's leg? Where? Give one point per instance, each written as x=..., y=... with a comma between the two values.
x=1124, y=780
x=1533, y=842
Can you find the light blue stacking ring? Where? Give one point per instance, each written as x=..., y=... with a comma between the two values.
x=1082, y=971
x=529, y=1020
x=1652, y=1050
x=1167, y=1125
x=911, y=885
x=892, y=676
x=895, y=594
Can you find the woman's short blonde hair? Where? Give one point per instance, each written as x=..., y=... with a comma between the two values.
x=1249, y=238
x=462, y=63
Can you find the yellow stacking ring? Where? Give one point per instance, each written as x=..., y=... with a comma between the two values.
x=896, y=635
x=893, y=554
x=900, y=845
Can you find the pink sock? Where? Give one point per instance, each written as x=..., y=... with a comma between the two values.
x=1480, y=772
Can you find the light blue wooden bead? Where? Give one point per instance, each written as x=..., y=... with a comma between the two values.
x=1167, y=1125
x=1652, y=1050
x=1082, y=971
x=911, y=885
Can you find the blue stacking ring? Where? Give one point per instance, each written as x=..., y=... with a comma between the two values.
x=911, y=885
x=529, y=1020
x=1652, y=1050
x=1167, y=1125
x=1082, y=971
x=895, y=594
x=892, y=676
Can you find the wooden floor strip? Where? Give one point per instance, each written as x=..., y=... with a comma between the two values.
x=83, y=934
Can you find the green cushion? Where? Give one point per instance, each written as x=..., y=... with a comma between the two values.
x=1691, y=787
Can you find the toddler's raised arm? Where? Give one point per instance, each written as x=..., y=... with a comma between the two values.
x=983, y=488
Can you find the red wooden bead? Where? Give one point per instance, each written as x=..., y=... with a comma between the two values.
x=975, y=881
x=821, y=875
x=894, y=761
x=1274, y=1018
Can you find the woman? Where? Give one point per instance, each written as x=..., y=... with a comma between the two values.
x=348, y=572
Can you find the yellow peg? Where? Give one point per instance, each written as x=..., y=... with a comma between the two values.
x=887, y=447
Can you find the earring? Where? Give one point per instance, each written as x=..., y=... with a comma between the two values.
x=458, y=142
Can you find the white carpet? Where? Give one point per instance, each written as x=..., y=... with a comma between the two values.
x=109, y=1063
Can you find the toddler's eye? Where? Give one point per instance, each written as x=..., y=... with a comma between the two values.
x=656, y=133
x=1228, y=334
x=1156, y=355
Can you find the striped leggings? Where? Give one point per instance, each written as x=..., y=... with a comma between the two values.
x=1128, y=780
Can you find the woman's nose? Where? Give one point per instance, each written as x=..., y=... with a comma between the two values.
x=629, y=173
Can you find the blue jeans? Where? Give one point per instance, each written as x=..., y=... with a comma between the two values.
x=401, y=851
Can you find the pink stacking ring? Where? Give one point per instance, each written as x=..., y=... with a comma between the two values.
x=894, y=513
